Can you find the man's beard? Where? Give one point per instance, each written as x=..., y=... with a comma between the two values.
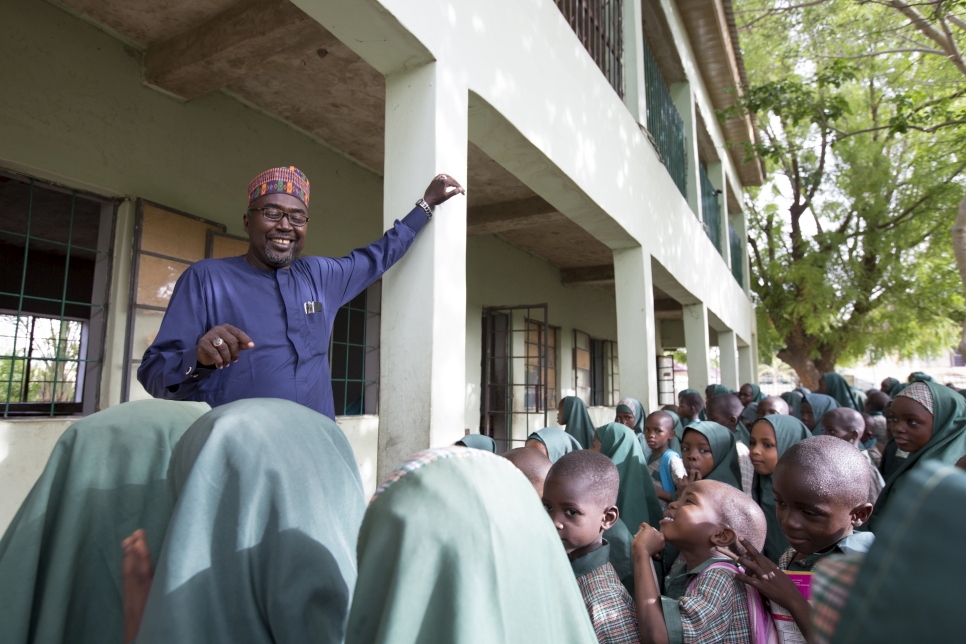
x=279, y=260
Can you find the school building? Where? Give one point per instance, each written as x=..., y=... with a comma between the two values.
x=602, y=227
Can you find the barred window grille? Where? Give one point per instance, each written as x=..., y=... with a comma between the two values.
x=737, y=256
x=599, y=27
x=55, y=246
x=354, y=354
x=710, y=208
x=597, y=370
x=664, y=122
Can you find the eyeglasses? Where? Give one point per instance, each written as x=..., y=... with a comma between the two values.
x=297, y=219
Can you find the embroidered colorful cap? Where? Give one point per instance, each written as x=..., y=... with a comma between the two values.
x=290, y=181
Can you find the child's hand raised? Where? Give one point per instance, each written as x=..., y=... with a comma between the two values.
x=772, y=582
x=648, y=542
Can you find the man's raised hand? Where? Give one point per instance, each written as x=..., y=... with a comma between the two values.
x=221, y=346
x=441, y=188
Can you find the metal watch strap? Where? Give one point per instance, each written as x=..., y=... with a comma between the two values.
x=425, y=206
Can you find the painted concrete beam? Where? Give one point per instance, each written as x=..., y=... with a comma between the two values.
x=510, y=215
x=588, y=274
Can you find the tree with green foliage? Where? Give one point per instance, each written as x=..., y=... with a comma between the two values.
x=863, y=142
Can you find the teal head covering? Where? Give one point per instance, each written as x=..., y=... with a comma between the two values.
x=859, y=396
x=557, y=441
x=715, y=390
x=479, y=441
x=794, y=400
x=261, y=544
x=821, y=405
x=947, y=443
x=919, y=376
x=750, y=414
x=635, y=407
x=788, y=431
x=838, y=388
x=60, y=558
x=722, y=441
x=756, y=395
x=892, y=382
x=917, y=546
x=455, y=547
x=636, y=500
x=578, y=422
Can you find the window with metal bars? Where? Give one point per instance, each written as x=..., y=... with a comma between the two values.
x=55, y=246
x=541, y=373
x=664, y=123
x=710, y=208
x=599, y=27
x=596, y=370
x=354, y=354
x=737, y=255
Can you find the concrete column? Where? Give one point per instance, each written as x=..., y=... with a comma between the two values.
x=633, y=59
x=684, y=101
x=728, y=347
x=698, y=345
x=423, y=337
x=634, y=284
x=754, y=358
x=746, y=369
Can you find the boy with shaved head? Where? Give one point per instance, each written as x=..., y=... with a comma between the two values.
x=580, y=495
x=690, y=406
x=705, y=603
x=849, y=425
x=533, y=463
x=821, y=486
x=772, y=405
x=726, y=410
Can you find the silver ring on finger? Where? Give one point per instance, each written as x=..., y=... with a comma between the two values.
x=217, y=342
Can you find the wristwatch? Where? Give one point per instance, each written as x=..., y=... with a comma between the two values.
x=425, y=206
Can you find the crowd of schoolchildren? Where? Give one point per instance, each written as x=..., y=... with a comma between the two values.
x=730, y=517
x=762, y=513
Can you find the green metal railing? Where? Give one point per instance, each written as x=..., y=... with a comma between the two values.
x=348, y=348
x=664, y=123
x=710, y=208
x=737, y=257
x=599, y=27
x=40, y=373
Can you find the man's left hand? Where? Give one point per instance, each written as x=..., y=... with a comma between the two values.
x=441, y=188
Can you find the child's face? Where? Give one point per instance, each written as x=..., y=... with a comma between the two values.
x=812, y=521
x=808, y=416
x=657, y=431
x=769, y=406
x=913, y=424
x=560, y=409
x=763, y=448
x=869, y=430
x=684, y=409
x=696, y=452
x=692, y=519
x=745, y=394
x=722, y=418
x=838, y=430
x=578, y=515
x=625, y=419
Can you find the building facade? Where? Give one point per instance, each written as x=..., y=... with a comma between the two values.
x=601, y=229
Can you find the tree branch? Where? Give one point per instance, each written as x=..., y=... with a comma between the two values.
x=901, y=50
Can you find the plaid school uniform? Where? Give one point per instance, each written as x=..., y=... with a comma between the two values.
x=609, y=605
x=834, y=578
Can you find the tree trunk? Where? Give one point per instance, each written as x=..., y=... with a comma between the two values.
x=804, y=367
x=959, y=249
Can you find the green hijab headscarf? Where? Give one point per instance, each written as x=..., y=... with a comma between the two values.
x=794, y=400
x=722, y=441
x=261, y=544
x=919, y=376
x=715, y=390
x=836, y=387
x=636, y=500
x=557, y=441
x=455, y=547
x=577, y=421
x=756, y=395
x=638, y=410
x=917, y=547
x=479, y=441
x=947, y=443
x=788, y=431
x=892, y=384
x=821, y=405
x=60, y=558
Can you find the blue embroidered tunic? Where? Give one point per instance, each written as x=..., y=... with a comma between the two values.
x=290, y=357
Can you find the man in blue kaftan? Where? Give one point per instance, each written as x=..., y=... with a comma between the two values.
x=257, y=326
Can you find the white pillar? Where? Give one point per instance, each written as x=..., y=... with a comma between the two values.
x=698, y=345
x=746, y=369
x=423, y=337
x=684, y=102
x=728, y=347
x=633, y=59
x=634, y=285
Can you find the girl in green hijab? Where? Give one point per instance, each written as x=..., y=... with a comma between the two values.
x=835, y=386
x=478, y=441
x=572, y=413
x=722, y=445
x=770, y=438
x=929, y=424
x=455, y=547
x=636, y=500
x=794, y=400
x=813, y=408
x=553, y=441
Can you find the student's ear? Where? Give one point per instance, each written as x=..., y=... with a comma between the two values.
x=611, y=515
x=860, y=514
x=724, y=537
